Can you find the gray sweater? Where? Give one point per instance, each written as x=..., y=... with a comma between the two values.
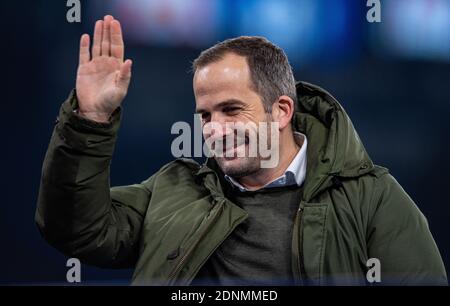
x=258, y=251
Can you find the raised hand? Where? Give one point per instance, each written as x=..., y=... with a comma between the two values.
x=102, y=81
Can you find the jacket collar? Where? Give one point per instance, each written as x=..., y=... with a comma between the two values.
x=334, y=148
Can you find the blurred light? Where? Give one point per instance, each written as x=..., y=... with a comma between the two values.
x=415, y=29
x=168, y=22
x=306, y=29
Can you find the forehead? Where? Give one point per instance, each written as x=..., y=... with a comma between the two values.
x=231, y=74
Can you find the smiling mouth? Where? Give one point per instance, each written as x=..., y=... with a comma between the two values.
x=232, y=153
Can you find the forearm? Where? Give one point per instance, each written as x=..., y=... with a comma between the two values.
x=74, y=197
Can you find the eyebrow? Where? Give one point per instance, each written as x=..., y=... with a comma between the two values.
x=227, y=102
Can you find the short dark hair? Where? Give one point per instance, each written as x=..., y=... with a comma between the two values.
x=270, y=72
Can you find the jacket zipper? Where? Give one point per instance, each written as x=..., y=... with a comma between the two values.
x=299, y=269
x=179, y=265
x=225, y=237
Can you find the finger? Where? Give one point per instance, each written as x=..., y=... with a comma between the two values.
x=117, y=47
x=106, y=38
x=84, y=49
x=98, y=33
x=125, y=74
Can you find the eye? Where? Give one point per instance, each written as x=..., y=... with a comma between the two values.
x=231, y=110
x=205, y=116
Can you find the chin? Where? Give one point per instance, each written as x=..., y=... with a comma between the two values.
x=239, y=166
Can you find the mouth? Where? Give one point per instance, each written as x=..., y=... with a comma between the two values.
x=233, y=153
x=237, y=149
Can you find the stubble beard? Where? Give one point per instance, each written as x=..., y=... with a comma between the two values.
x=242, y=166
x=239, y=167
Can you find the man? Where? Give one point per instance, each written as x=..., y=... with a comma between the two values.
x=322, y=215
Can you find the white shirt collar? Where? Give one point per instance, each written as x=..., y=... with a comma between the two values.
x=295, y=173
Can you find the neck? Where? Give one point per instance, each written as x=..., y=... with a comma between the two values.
x=288, y=149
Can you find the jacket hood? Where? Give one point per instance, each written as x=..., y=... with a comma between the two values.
x=334, y=147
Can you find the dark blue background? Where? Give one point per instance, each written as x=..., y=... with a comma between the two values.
x=400, y=108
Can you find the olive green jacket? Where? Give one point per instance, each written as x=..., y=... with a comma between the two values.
x=167, y=226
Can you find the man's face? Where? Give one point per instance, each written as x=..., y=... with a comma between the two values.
x=223, y=95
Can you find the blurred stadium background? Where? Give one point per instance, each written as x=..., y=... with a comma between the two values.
x=392, y=77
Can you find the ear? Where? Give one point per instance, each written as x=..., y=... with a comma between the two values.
x=282, y=111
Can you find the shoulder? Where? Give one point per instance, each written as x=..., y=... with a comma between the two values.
x=174, y=172
x=180, y=164
x=389, y=202
x=366, y=193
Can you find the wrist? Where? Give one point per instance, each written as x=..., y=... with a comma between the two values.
x=94, y=116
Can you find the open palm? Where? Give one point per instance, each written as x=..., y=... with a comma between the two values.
x=102, y=81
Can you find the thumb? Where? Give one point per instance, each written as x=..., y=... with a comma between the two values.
x=125, y=74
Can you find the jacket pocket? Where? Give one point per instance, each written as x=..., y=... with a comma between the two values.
x=313, y=233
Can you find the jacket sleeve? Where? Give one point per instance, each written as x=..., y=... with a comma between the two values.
x=399, y=237
x=77, y=212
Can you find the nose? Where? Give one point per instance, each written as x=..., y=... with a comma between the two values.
x=218, y=126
